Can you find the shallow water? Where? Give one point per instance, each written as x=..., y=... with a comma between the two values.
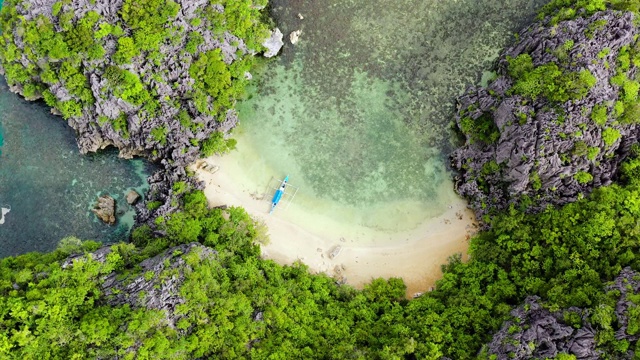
x=49, y=186
x=359, y=112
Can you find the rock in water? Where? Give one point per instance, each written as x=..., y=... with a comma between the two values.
x=4, y=211
x=105, y=209
x=294, y=37
x=273, y=44
x=132, y=197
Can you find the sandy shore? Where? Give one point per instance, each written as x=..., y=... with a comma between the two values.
x=362, y=253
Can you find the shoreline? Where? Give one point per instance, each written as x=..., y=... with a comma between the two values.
x=361, y=253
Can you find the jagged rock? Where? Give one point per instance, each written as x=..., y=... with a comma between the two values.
x=274, y=43
x=537, y=333
x=542, y=146
x=132, y=197
x=294, y=37
x=158, y=285
x=168, y=80
x=105, y=209
x=628, y=283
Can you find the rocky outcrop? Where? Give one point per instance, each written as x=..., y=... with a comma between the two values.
x=274, y=43
x=536, y=152
x=628, y=286
x=536, y=333
x=172, y=120
x=105, y=209
x=157, y=283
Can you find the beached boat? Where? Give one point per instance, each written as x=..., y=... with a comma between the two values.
x=277, y=196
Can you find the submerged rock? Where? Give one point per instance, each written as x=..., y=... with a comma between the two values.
x=294, y=37
x=105, y=209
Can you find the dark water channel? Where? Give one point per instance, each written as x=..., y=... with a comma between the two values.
x=49, y=186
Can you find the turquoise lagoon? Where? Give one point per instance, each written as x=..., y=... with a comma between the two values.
x=359, y=112
x=49, y=186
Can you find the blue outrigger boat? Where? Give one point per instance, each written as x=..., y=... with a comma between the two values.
x=278, y=194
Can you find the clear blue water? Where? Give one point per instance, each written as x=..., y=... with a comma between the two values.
x=49, y=186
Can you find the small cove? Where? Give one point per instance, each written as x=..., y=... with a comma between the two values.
x=50, y=187
x=359, y=112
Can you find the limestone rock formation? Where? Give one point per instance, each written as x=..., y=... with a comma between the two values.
x=105, y=209
x=121, y=82
x=273, y=44
x=537, y=333
x=132, y=197
x=534, y=149
x=156, y=286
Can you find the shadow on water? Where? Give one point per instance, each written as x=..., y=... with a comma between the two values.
x=50, y=187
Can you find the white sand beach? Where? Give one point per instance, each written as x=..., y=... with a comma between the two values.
x=365, y=253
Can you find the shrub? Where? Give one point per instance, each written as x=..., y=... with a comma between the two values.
x=216, y=144
x=610, y=136
x=592, y=153
x=599, y=114
x=583, y=177
x=481, y=129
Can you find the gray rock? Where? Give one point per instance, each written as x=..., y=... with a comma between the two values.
x=96, y=126
x=536, y=333
x=158, y=285
x=542, y=145
x=274, y=43
x=105, y=209
x=132, y=197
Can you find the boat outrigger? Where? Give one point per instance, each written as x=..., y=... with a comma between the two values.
x=281, y=192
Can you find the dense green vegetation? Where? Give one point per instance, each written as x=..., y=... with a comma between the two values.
x=548, y=80
x=563, y=255
x=42, y=52
x=238, y=305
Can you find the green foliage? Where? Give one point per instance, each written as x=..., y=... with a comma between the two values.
x=216, y=144
x=159, y=134
x=536, y=183
x=563, y=255
x=610, y=136
x=481, y=129
x=580, y=148
x=592, y=153
x=143, y=14
x=490, y=167
x=241, y=18
x=583, y=177
x=548, y=80
x=193, y=40
x=561, y=10
x=127, y=50
x=126, y=85
x=599, y=114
